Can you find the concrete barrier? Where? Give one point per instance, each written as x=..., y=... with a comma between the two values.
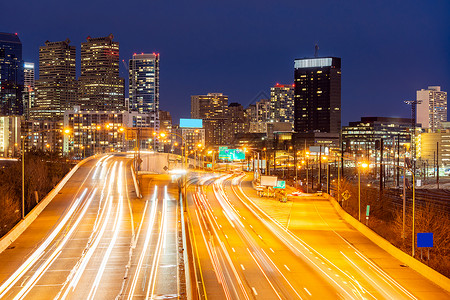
x=20, y=227
x=413, y=263
x=136, y=181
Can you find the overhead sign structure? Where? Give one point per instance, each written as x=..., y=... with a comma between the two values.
x=231, y=154
x=191, y=123
x=424, y=239
x=318, y=149
x=280, y=184
x=269, y=180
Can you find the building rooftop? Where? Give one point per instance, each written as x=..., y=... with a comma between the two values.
x=9, y=38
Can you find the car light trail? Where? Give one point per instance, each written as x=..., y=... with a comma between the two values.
x=4, y=288
x=38, y=273
x=146, y=243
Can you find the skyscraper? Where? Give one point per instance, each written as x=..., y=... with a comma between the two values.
x=144, y=85
x=431, y=107
x=282, y=103
x=28, y=88
x=100, y=87
x=213, y=109
x=56, y=89
x=317, y=95
x=144, y=82
x=11, y=74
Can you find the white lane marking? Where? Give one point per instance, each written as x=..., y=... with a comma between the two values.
x=287, y=268
x=260, y=236
x=242, y=267
x=233, y=250
x=254, y=291
x=308, y=291
x=271, y=250
x=226, y=236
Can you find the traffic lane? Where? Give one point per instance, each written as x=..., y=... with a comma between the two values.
x=260, y=274
x=25, y=244
x=295, y=271
x=260, y=277
x=243, y=253
x=36, y=258
x=167, y=283
x=357, y=252
x=65, y=256
x=212, y=262
x=153, y=267
x=339, y=254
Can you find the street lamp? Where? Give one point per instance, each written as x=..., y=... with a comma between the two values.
x=65, y=131
x=163, y=135
x=362, y=165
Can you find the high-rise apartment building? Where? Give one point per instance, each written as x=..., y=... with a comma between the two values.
x=282, y=103
x=213, y=110
x=317, y=95
x=28, y=88
x=100, y=87
x=11, y=74
x=258, y=115
x=56, y=89
x=431, y=107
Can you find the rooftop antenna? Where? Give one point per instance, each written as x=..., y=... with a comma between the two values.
x=316, y=50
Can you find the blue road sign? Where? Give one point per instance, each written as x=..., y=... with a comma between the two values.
x=424, y=239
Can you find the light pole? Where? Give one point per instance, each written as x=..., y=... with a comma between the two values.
x=66, y=131
x=162, y=134
x=363, y=165
x=307, y=171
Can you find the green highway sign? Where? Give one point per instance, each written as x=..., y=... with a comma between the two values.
x=367, y=210
x=281, y=184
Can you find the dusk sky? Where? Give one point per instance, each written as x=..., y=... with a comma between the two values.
x=389, y=49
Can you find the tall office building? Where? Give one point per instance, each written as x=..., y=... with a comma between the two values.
x=28, y=88
x=431, y=107
x=100, y=87
x=144, y=82
x=144, y=86
x=237, y=121
x=317, y=95
x=11, y=74
x=282, y=103
x=213, y=110
x=56, y=89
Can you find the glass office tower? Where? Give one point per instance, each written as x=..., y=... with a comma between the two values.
x=11, y=74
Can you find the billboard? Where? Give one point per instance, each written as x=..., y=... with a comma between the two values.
x=269, y=180
x=191, y=123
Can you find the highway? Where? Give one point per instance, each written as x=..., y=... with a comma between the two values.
x=96, y=240
x=245, y=254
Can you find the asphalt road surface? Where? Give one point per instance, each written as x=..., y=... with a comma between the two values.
x=96, y=240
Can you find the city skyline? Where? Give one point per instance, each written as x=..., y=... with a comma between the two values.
x=243, y=55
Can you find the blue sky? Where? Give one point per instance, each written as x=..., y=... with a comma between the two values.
x=389, y=49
